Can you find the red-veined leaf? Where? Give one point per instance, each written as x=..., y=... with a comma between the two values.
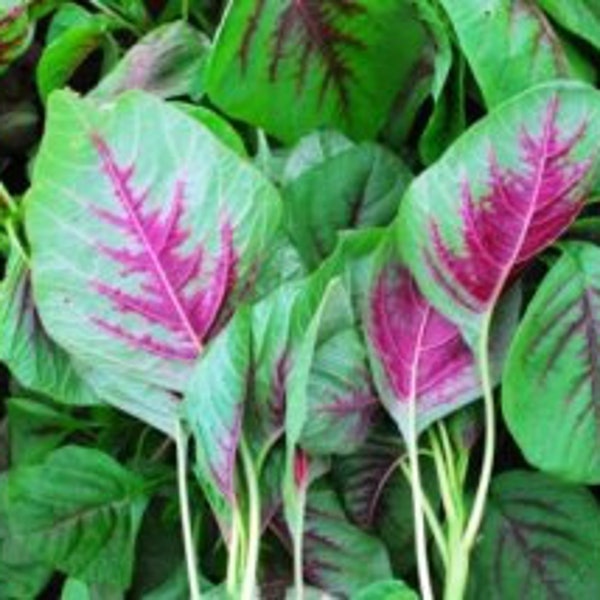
x=144, y=230
x=504, y=192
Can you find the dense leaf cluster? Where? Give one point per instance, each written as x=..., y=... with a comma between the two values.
x=300, y=298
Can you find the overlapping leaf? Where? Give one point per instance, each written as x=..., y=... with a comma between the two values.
x=15, y=31
x=419, y=355
x=497, y=33
x=551, y=386
x=582, y=17
x=539, y=540
x=505, y=191
x=357, y=188
x=166, y=62
x=144, y=229
x=215, y=402
x=33, y=357
x=327, y=58
x=78, y=511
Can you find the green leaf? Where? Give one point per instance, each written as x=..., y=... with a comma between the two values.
x=539, y=540
x=340, y=398
x=78, y=511
x=21, y=575
x=386, y=590
x=582, y=17
x=150, y=231
x=34, y=358
x=159, y=551
x=68, y=51
x=37, y=428
x=357, y=188
x=329, y=60
x=551, y=385
x=74, y=589
x=166, y=62
x=16, y=31
x=310, y=152
x=509, y=44
x=448, y=120
x=214, y=405
x=377, y=497
x=338, y=556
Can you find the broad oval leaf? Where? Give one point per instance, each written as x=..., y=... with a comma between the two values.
x=539, y=540
x=144, y=230
x=15, y=31
x=329, y=59
x=551, y=385
x=80, y=512
x=503, y=192
x=495, y=32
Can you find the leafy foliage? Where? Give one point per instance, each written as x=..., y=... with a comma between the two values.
x=266, y=269
x=551, y=386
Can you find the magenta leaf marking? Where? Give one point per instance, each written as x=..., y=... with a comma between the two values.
x=522, y=213
x=301, y=469
x=422, y=353
x=153, y=252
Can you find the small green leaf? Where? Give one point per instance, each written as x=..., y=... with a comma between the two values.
x=357, y=188
x=36, y=428
x=509, y=44
x=582, y=17
x=16, y=31
x=166, y=62
x=68, y=51
x=78, y=511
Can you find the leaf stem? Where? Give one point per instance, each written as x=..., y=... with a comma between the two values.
x=446, y=491
x=476, y=515
x=249, y=581
x=299, y=549
x=234, y=554
x=185, y=10
x=420, y=532
x=431, y=518
x=181, y=441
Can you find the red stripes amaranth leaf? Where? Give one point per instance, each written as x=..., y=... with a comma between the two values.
x=522, y=212
x=422, y=354
x=169, y=294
